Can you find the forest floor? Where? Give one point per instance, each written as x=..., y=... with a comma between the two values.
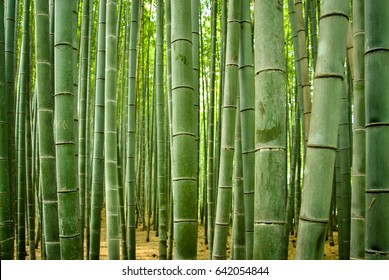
x=148, y=250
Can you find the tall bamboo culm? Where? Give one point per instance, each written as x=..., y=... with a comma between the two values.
x=21, y=111
x=67, y=191
x=247, y=112
x=82, y=111
x=110, y=133
x=270, y=239
x=324, y=126
x=184, y=160
x=238, y=247
x=130, y=165
x=224, y=193
x=11, y=13
x=358, y=214
x=210, y=135
x=45, y=131
x=6, y=242
x=377, y=129
x=161, y=143
x=97, y=189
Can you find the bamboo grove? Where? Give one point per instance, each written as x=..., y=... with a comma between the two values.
x=252, y=121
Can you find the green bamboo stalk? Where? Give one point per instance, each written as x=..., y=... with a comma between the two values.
x=168, y=27
x=30, y=200
x=110, y=134
x=313, y=30
x=184, y=163
x=11, y=13
x=130, y=184
x=22, y=110
x=300, y=101
x=98, y=143
x=152, y=153
x=297, y=190
x=6, y=231
x=332, y=221
x=152, y=175
x=82, y=111
x=345, y=169
x=302, y=59
x=377, y=129
x=247, y=112
x=122, y=215
x=36, y=185
x=30, y=127
x=17, y=124
x=51, y=42
x=203, y=168
x=270, y=239
x=322, y=144
x=123, y=96
x=224, y=195
x=139, y=150
x=238, y=227
x=223, y=38
x=211, y=134
x=358, y=214
x=161, y=146
x=143, y=59
x=155, y=171
x=338, y=204
x=195, y=4
x=293, y=170
x=140, y=163
x=67, y=190
x=75, y=45
x=140, y=133
x=204, y=137
x=88, y=128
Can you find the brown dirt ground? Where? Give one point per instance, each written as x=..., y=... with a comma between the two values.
x=149, y=250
